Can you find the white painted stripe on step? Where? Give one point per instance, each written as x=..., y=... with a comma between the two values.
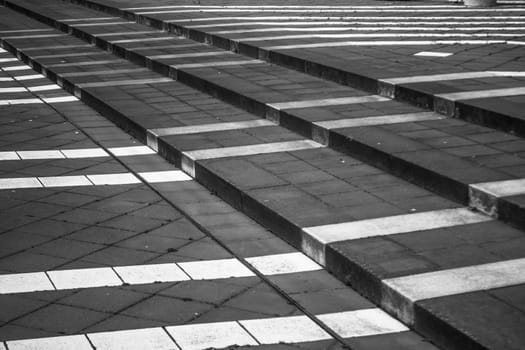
x=451, y=76
x=87, y=19
x=283, y=263
x=284, y=7
x=89, y=278
x=362, y=323
x=65, y=181
x=59, y=47
x=328, y=102
x=215, y=269
x=9, y=155
x=124, y=82
x=501, y=188
x=46, y=154
x=145, y=274
x=36, y=36
x=24, y=282
x=75, y=54
x=391, y=225
x=384, y=43
x=440, y=10
x=86, y=63
x=459, y=280
x=463, y=19
x=193, y=54
x=396, y=24
x=29, y=77
x=113, y=179
x=2, y=79
x=378, y=35
x=130, y=151
x=470, y=95
x=368, y=29
x=20, y=182
x=48, y=87
x=104, y=72
x=165, y=176
x=124, y=41
x=217, y=64
x=197, y=129
x=129, y=33
x=20, y=101
x=65, y=342
x=24, y=31
x=379, y=120
x=84, y=153
x=16, y=68
x=433, y=54
x=216, y=335
x=60, y=99
x=291, y=329
x=237, y=151
x=100, y=24
x=136, y=339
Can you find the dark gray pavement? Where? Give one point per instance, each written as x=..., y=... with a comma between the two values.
x=382, y=207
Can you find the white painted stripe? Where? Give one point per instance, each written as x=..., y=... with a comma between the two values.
x=123, y=41
x=86, y=63
x=59, y=47
x=24, y=31
x=136, y=339
x=48, y=87
x=129, y=33
x=20, y=101
x=29, y=77
x=451, y=76
x=285, y=7
x=75, y=54
x=16, y=68
x=104, y=72
x=65, y=181
x=469, y=95
x=46, y=154
x=10, y=155
x=37, y=36
x=87, y=19
x=99, y=24
x=113, y=179
x=215, y=269
x=84, y=153
x=291, y=329
x=12, y=89
x=20, y=182
x=269, y=265
x=217, y=335
x=328, y=102
x=434, y=54
x=502, y=188
x=2, y=79
x=385, y=43
x=130, y=151
x=66, y=342
x=88, y=278
x=125, y=82
x=377, y=35
x=61, y=99
x=384, y=10
x=379, y=120
x=144, y=274
x=377, y=24
x=397, y=224
x=362, y=323
x=238, y=151
x=197, y=129
x=459, y=280
x=283, y=263
x=368, y=29
x=217, y=64
x=401, y=19
x=24, y=282
x=164, y=176
x=193, y=54
x=288, y=329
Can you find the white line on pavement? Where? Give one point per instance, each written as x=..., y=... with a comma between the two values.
x=378, y=120
x=124, y=82
x=451, y=76
x=469, y=95
x=217, y=64
x=269, y=265
x=369, y=29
